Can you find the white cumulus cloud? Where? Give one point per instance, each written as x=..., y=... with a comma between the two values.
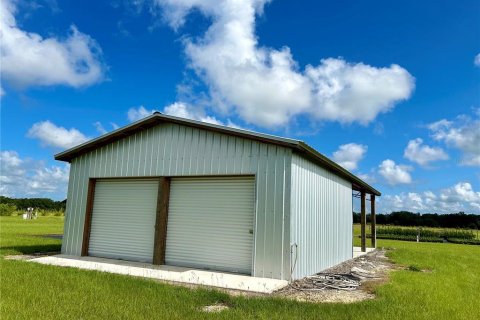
x=11, y=166
x=26, y=177
x=410, y=201
x=395, y=174
x=476, y=60
x=348, y=155
x=101, y=129
x=137, y=113
x=460, y=197
x=367, y=177
x=347, y=92
x=52, y=135
x=462, y=133
x=461, y=192
x=28, y=59
x=266, y=86
x=183, y=110
x=422, y=154
x=179, y=109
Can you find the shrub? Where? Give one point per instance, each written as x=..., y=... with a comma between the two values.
x=56, y=213
x=464, y=241
x=7, y=209
x=466, y=237
x=396, y=231
x=458, y=234
x=425, y=233
x=59, y=213
x=407, y=238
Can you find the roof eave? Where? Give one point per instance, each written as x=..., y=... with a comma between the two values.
x=333, y=166
x=125, y=131
x=157, y=118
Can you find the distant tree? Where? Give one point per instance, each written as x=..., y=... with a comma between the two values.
x=356, y=217
x=406, y=218
x=6, y=209
x=39, y=203
x=429, y=220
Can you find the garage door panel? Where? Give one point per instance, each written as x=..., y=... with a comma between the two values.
x=123, y=219
x=210, y=222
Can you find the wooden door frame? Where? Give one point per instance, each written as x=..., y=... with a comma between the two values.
x=88, y=216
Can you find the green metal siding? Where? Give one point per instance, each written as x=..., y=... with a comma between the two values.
x=321, y=218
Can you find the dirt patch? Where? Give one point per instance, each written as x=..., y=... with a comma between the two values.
x=327, y=296
x=219, y=307
x=30, y=256
x=351, y=281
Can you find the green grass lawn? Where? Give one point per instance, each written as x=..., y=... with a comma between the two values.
x=19, y=236
x=31, y=291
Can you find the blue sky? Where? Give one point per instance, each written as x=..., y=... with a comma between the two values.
x=390, y=90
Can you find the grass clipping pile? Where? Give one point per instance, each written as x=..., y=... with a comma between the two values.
x=348, y=282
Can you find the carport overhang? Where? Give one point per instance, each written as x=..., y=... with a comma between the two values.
x=362, y=194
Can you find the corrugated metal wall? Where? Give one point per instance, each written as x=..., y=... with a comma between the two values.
x=176, y=150
x=321, y=218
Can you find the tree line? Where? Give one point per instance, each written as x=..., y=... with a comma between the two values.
x=38, y=203
x=397, y=218
x=406, y=218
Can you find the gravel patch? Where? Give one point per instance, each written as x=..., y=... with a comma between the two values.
x=367, y=271
x=373, y=269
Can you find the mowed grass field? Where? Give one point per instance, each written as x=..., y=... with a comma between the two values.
x=449, y=290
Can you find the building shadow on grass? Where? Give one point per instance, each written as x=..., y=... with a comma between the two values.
x=31, y=250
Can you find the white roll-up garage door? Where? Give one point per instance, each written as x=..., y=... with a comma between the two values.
x=210, y=223
x=123, y=219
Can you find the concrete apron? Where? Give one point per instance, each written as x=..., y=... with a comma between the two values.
x=357, y=252
x=167, y=273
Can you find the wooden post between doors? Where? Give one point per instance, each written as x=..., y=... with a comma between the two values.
x=160, y=243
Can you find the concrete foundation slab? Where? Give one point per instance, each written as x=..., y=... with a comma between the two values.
x=167, y=273
x=357, y=251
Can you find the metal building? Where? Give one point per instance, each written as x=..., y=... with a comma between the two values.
x=167, y=190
